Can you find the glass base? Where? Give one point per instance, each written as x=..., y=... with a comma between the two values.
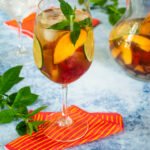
x=21, y=51
x=63, y=129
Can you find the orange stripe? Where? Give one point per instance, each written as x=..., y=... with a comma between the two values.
x=97, y=130
x=66, y=129
x=42, y=143
x=54, y=143
x=104, y=130
x=31, y=144
x=87, y=135
x=25, y=146
x=100, y=130
x=117, y=119
x=107, y=118
x=55, y=133
x=28, y=139
x=20, y=140
x=95, y=127
x=110, y=130
x=75, y=132
x=120, y=121
x=41, y=118
x=38, y=117
x=112, y=118
x=14, y=141
x=116, y=130
x=102, y=117
x=88, y=138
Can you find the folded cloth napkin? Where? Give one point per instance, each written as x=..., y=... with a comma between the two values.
x=101, y=125
x=28, y=24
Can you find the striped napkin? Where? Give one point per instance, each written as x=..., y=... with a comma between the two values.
x=28, y=24
x=101, y=125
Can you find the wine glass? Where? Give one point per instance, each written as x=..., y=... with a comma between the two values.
x=63, y=51
x=18, y=9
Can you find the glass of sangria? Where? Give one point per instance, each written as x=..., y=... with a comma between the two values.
x=63, y=51
x=130, y=40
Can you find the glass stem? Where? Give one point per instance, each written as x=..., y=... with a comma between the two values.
x=65, y=121
x=20, y=36
x=64, y=101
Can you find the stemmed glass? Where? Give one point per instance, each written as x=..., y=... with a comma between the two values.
x=63, y=51
x=18, y=9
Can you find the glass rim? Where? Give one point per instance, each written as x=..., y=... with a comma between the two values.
x=39, y=3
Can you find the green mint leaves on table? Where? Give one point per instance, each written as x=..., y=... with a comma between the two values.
x=70, y=22
x=14, y=106
x=110, y=7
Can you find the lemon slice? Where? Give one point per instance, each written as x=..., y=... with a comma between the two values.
x=37, y=51
x=65, y=48
x=89, y=46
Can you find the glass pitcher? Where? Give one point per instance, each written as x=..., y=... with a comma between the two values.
x=130, y=39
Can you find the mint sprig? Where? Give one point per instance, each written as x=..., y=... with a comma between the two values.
x=69, y=23
x=14, y=106
x=109, y=7
x=75, y=32
x=66, y=9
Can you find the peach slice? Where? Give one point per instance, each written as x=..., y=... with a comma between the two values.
x=145, y=26
x=65, y=48
x=115, y=52
x=126, y=54
x=139, y=68
x=142, y=42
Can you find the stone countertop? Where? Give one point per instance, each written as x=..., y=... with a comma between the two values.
x=104, y=88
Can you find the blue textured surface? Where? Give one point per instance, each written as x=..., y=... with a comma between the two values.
x=104, y=88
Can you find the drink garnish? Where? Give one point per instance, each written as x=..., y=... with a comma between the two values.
x=62, y=53
x=70, y=23
x=89, y=46
x=15, y=105
x=38, y=58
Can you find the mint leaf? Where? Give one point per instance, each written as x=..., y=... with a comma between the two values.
x=24, y=97
x=75, y=33
x=63, y=25
x=36, y=111
x=113, y=19
x=6, y=116
x=36, y=124
x=86, y=22
x=30, y=128
x=9, y=79
x=2, y=102
x=66, y=9
x=81, y=2
x=122, y=10
x=11, y=99
x=21, y=128
x=22, y=110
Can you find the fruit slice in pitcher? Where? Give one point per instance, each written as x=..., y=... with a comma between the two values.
x=142, y=42
x=145, y=26
x=65, y=48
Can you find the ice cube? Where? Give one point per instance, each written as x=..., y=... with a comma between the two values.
x=51, y=16
x=50, y=35
x=81, y=15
